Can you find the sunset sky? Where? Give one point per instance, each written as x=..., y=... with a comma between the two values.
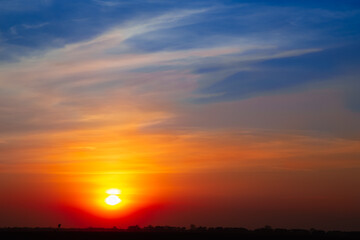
x=210, y=112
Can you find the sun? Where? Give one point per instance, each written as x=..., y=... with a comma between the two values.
x=113, y=199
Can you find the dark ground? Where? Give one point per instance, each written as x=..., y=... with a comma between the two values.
x=169, y=233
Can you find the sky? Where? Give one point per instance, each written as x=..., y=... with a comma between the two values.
x=213, y=113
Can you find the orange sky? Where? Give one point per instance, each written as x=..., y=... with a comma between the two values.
x=229, y=178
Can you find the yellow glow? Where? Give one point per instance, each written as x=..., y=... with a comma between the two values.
x=113, y=191
x=112, y=200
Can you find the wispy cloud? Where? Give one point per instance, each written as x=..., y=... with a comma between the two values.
x=14, y=30
x=105, y=85
x=34, y=26
x=86, y=77
x=111, y=3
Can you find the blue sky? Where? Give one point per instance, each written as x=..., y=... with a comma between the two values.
x=48, y=23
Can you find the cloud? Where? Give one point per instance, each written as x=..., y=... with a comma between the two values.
x=111, y=3
x=86, y=66
x=34, y=26
x=81, y=85
x=286, y=71
x=105, y=93
x=14, y=30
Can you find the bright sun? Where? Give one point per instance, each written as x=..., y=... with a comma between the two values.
x=113, y=199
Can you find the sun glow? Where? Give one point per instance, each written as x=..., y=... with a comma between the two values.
x=113, y=199
x=113, y=191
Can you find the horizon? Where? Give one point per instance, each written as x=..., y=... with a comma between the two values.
x=164, y=232
x=206, y=112
x=191, y=227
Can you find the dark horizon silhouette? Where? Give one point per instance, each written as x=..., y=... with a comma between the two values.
x=171, y=232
